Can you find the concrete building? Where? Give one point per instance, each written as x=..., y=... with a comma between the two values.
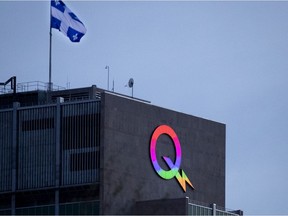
x=90, y=151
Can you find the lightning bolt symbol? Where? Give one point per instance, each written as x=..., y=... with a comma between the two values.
x=182, y=179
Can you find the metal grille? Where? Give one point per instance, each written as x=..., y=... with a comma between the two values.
x=5, y=150
x=80, y=143
x=36, y=146
x=35, y=140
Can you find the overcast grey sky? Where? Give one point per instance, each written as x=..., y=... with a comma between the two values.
x=225, y=61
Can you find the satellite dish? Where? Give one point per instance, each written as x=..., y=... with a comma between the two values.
x=131, y=82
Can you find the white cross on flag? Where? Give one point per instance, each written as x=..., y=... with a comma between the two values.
x=63, y=19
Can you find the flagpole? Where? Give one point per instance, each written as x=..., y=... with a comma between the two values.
x=71, y=21
x=50, y=54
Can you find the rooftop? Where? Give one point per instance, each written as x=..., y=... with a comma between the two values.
x=38, y=93
x=29, y=86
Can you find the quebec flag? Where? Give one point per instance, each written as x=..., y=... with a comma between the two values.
x=63, y=19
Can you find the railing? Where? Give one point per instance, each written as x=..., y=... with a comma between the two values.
x=90, y=207
x=36, y=85
x=198, y=208
x=31, y=86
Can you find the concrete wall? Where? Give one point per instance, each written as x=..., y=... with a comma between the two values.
x=162, y=207
x=127, y=174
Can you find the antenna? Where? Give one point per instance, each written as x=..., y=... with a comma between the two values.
x=131, y=84
x=67, y=83
x=107, y=68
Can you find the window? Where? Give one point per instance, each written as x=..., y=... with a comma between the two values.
x=38, y=124
x=83, y=161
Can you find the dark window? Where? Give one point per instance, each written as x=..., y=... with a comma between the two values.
x=80, y=131
x=38, y=124
x=83, y=161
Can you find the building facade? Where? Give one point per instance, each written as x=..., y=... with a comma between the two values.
x=89, y=151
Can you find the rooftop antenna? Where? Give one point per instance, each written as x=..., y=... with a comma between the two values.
x=131, y=84
x=67, y=83
x=107, y=68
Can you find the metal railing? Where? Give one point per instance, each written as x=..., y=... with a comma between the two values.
x=36, y=85
x=199, y=208
x=30, y=86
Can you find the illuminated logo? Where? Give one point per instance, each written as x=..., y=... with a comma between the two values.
x=174, y=167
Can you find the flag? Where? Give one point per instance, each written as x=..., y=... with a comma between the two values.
x=63, y=19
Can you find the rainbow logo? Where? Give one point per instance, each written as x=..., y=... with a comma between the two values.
x=174, y=167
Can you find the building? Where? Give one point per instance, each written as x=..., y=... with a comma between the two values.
x=91, y=151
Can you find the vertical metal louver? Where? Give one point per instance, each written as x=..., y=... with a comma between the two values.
x=5, y=150
x=36, y=147
x=80, y=142
x=34, y=151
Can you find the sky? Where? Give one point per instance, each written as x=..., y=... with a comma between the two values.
x=220, y=60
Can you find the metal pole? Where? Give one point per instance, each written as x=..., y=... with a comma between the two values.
x=214, y=209
x=57, y=153
x=14, y=83
x=50, y=53
x=16, y=105
x=107, y=67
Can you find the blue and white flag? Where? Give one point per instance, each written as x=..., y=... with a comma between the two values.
x=63, y=19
